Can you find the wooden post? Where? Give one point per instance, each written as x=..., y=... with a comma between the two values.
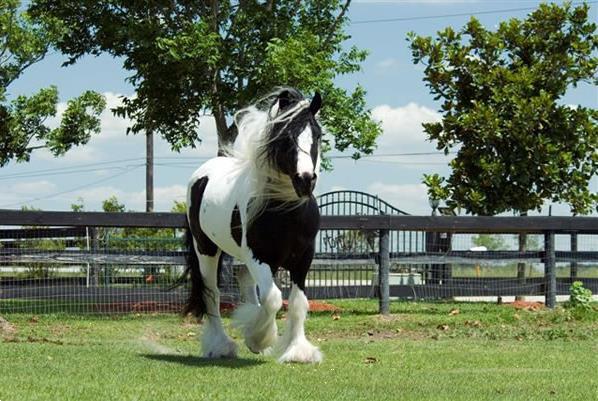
x=94, y=272
x=383, y=273
x=432, y=246
x=549, y=270
x=149, y=171
x=573, y=268
x=521, y=266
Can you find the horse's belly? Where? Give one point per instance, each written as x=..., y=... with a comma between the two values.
x=215, y=222
x=220, y=197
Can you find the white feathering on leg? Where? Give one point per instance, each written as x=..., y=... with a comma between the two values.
x=245, y=318
x=293, y=345
x=216, y=344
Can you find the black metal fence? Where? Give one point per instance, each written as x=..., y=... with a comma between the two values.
x=114, y=262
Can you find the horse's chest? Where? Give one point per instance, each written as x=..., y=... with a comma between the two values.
x=277, y=237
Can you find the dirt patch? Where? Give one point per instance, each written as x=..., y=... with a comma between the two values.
x=32, y=339
x=165, y=307
x=527, y=305
x=138, y=307
x=6, y=328
x=315, y=306
x=151, y=307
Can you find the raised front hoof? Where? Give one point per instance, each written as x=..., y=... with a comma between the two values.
x=225, y=350
x=259, y=336
x=301, y=352
x=262, y=341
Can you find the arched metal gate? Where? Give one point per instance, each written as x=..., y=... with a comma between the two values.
x=346, y=263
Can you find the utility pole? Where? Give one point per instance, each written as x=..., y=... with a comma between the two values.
x=149, y=171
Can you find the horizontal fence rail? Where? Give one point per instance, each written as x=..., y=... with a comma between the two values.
x=453, y=224
x=377, y=268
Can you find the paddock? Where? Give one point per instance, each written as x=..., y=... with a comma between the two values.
x=421, y=350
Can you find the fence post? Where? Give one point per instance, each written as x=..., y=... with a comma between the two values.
x=573, y=271
x=549, y=270
x=383, y=273
x=94, y=272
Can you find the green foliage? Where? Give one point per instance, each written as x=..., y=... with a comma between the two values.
x=179, y=207
x=37, y=269
x=112, y=205
x=517, y=143
x=579, y=297
x=78, y=206
x=189, y=57
x=491, y=242
x=434, y=182
x=22, y=120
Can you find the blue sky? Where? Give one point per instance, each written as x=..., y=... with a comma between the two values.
x=112, y=163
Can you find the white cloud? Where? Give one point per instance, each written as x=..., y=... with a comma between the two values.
x=402, y=127
x=164, y=197
x=111, y=125
x=80, y=154
x=386, y=2
x=113, y=136
x=32, y=187
x=388, y=63
x=411, y=198
x=207, y=148
x=12, y=195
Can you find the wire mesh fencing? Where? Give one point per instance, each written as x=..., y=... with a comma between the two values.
x=89, y=270
x=118, y=269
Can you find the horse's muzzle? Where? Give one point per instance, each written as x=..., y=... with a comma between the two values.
x=304, y=183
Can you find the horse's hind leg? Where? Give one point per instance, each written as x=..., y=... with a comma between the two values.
x=257, y=322
x=214, y=342
x=247, y=286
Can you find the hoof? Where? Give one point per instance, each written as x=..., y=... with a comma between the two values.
x=258, y=336
x=301, y=352
x=262, y=341
x=226, y=350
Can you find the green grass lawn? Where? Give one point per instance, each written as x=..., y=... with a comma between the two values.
x=422, y=351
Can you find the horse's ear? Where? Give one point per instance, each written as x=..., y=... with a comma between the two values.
x=284, y=100
x=316, y=104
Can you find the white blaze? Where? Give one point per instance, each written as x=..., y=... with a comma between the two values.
x=304, y=162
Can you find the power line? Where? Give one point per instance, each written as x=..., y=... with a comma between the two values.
x=68, y=172
x=171, y=161
x=89, y=184
x=438, y=153
x=58, y=169
x=405, y=163
x=336, y=156
x=424, y=17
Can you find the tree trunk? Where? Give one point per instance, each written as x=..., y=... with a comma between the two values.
x=226, y=134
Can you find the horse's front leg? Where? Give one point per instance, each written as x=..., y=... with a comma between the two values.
x=258, y=321
x=293, y=346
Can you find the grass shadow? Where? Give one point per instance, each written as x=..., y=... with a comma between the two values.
x=191, y=360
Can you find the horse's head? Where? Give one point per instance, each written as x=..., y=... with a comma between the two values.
x=294, y=141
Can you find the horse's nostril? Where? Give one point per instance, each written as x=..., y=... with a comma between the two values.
x=308, y=177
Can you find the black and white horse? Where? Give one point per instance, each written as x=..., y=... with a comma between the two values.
x=256, y=204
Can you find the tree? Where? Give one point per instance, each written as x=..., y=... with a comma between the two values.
x=517, y=143
x=491, y=242
x=22, y=120
x=187, y=58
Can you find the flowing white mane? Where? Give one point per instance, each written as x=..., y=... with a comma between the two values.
x=253, y=135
